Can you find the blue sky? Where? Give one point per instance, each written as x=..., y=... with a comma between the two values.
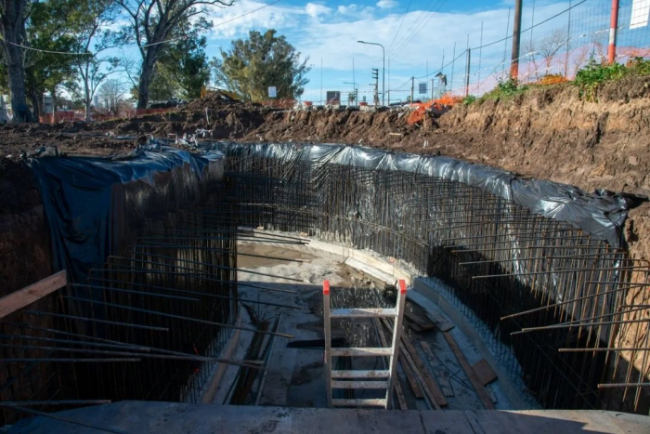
x=415, y=33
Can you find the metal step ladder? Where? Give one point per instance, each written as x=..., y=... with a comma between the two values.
x=350, y=379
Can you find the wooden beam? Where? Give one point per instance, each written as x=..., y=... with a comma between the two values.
x=462, y=361
x=428, y=379
x=438, y=369
x=484, y=372
x=34, y=292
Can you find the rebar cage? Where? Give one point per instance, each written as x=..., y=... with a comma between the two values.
x=565, y=313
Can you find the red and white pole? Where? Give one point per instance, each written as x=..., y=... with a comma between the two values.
x=613, y=26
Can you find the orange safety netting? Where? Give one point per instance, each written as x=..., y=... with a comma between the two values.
x=446, y=100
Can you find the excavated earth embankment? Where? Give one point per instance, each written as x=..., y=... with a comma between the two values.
x=552, y=133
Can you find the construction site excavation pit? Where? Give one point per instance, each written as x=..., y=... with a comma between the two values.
x=249, y=276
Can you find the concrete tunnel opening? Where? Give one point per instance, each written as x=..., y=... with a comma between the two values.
x=211, y=289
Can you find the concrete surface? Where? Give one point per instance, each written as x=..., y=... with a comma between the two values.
x=171, y=418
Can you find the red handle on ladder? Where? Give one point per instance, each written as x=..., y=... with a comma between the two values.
x=402, y=286
x=326, y=287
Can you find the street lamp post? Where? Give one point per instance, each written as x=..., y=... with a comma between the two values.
x=383, y=71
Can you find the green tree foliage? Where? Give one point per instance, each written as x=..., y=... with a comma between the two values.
x=185, y=61
x=152, y=23
x=263, y=60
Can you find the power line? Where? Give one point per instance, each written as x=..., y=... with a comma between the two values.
x=418, y=27
x=532, y=27
x=400, y=25
x=219, y=24
x=45, y=51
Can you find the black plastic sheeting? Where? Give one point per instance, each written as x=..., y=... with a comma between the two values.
x=601, y=214
x=78, y=198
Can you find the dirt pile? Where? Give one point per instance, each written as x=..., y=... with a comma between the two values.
x=552, y=133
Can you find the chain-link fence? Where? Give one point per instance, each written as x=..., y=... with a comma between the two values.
x=554, y=45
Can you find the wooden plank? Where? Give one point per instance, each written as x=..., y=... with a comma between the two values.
x=400, y=395
x=416, y=372
x=441, y=373
x=429, y=385
x=484, y=372
x=34, y=292
x=416, y=328
x=428, y=380
x=422, y=321
x=441, y=322
x=397, y=381
x=415, y=387
x=478, y=387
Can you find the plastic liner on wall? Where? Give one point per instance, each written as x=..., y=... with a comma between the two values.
x=601, y=214
x=86, y=198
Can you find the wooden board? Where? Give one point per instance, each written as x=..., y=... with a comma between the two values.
x=429, y=394
x=484, y=372
x=476, y=383
x=442, y=376
x=441, y=322
x=34, y=292
x=415, y=387
x=428, y=379
x=416, y=328
x=396, y=381
x=422, y=321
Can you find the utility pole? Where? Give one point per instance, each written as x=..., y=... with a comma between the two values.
x=516, y=41
x=383, y=73
x=375, y=76
x=388, y=91
x=432, y=81
x=321, y=81
x=613, y=27
x=354, y=80
x=469, y=60
x=453, y=60
x=412, y=89
x=568, y=44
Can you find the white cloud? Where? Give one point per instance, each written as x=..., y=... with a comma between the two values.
x=386, y=4
x=315, y=9
x=354, y=11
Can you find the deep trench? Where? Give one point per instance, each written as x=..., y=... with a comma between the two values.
x=496, y=257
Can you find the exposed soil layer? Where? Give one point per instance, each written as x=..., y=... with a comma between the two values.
x=551, y=133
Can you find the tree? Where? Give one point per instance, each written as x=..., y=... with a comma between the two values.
x=550, y=45
x=111, y=94
x=151, y=24
x=91, y=68
x=186, y=62
x=13, y=16
x=253, y=65
x=52, y=30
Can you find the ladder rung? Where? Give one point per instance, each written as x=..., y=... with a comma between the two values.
x=360, y=374
x=359, y=384
x=378, y=402
x=363, y=313
x=361, y=352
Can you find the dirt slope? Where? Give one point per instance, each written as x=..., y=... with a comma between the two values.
x=549, y=133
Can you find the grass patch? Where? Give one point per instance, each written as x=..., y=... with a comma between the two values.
x=592, y=75
x=505, y=89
